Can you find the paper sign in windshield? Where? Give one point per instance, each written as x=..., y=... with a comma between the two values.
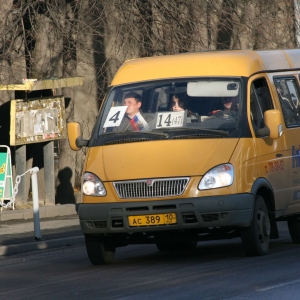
x=115, y=116
x=170, y=119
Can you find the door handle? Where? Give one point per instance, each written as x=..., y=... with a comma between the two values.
x=279, y=154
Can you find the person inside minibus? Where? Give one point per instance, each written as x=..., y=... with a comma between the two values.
x=230, y=103
x=179, y=103
x=230, y=108
x=133, y=119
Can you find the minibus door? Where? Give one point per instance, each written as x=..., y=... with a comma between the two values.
x=271, y=162
x=289, y=97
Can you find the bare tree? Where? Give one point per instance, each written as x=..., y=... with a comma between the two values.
x=297, y=21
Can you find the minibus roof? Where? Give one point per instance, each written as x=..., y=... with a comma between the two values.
x=207, y=63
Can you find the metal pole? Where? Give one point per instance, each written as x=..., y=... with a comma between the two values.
x=48, y=150
x=35, y=200
x=20, y=155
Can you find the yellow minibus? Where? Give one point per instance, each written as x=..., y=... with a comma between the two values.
x=193, y=147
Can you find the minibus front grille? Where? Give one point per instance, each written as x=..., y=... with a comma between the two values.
x=151, y=188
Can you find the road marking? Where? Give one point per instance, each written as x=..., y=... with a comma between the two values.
x=278, y=285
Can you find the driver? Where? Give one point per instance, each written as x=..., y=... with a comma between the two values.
x=230, y=105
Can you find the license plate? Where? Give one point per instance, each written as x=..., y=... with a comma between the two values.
x=152, y=220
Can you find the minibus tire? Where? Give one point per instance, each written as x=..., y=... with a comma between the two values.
x=256, y=238
x=294, y=229
x=99, y=253
x=179, y=246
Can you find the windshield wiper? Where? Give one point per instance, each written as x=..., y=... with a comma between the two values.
x=124, y=137
x=161, y=134
x=191, y=130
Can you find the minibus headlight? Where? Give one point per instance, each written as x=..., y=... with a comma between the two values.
x=217, y=177
x=92, y=185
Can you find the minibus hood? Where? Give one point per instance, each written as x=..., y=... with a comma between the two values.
x=158, y=158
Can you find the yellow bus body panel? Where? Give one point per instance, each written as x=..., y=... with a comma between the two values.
x=158, y=158
x=214, y=63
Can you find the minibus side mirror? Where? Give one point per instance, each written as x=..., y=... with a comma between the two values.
x=75, y=138
x=273, y=121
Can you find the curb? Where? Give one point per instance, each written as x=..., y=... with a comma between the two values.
x=40, y=245
x=44, y=212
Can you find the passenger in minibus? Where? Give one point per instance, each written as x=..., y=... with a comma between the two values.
x=133, y=119
x=179, y=103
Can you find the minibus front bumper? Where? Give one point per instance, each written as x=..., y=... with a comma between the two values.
x=190, y=213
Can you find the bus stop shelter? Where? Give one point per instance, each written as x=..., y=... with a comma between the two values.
x=37, y=120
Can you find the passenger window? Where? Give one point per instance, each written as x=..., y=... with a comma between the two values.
x=260, y=101
x=288, y=94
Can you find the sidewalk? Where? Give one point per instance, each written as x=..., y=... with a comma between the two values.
x=59, y=226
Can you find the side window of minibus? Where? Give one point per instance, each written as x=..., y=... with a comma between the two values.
x=288, y=94
x=260, y=101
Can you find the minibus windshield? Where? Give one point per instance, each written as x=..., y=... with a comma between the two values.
x=173, y=108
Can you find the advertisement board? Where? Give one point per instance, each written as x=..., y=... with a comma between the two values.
x=6, y=185
x=37, y=120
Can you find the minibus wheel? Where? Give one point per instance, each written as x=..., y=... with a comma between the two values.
x=256, y=238
x=294, y=229
x=99, y=253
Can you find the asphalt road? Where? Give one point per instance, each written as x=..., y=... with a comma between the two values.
x=215, y=270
